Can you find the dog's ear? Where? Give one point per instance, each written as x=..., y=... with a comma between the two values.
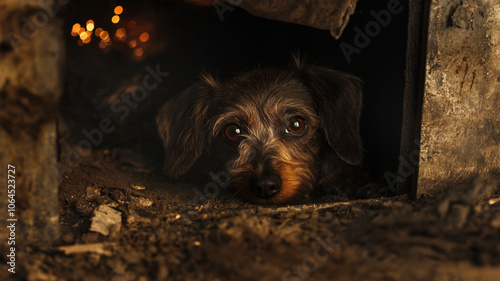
x=181, y=125
x=338, y=97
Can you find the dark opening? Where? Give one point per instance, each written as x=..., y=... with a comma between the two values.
x=185, y=39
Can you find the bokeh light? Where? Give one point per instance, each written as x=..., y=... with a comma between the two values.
x=86, y=40
x=90, y=25
x=84, y=36
x=138, y=52
x=115, y=19
x=144, y=37
x=118, y=10
x=121, y=34
x=98, y=31
x=132, y=43
x=104, y=35
x=74, y=30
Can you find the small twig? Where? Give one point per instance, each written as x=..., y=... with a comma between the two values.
x=494, y=201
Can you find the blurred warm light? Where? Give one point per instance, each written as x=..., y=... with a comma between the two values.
x=132, y=43
x=90, y=25
x=118, y=10
x=120, y=32
x=98, y=31
x=86, y=40
x=76, y=27
x=104, y=35
x=80, y=42
x=132, y=24
x=84, y=36
x=81, y=30
x=115, y=19
x=144, y=37
x=74, y=30
x=138, y=52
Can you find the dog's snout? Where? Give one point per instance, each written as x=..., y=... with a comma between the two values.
x=266, y=185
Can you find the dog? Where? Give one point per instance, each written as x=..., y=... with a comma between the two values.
x=282, y=132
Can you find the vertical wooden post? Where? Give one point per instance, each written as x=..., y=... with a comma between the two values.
x=418, y=21
x=31, y=54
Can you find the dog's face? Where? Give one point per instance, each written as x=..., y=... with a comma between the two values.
x=268, y=126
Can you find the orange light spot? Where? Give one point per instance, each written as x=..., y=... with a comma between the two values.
x=132, y=43
x=90, y=25
x=138, y=52
x=81, y=30
x=115, y=19
x=102, y=44
x=75, y=28
x=80, y=42
x=86, y=40
x=118, y=10
x=104, y=35
x=98, y=31
x=84, y=36
x=120, y=32
x=144, y=37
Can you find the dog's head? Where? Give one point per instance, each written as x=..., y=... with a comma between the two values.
x=269, y=126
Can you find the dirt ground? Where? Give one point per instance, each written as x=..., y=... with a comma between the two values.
x=166, y=233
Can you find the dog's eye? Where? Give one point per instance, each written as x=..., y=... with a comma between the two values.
x=296, y=126
x=233, y=132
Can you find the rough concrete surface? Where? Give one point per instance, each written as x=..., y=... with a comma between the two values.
x=461, y=107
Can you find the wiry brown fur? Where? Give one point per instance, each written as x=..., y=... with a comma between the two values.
x=261, y=102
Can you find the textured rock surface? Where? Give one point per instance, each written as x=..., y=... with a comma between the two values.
x=30, y=86
x=460, y=133
x=322, y=14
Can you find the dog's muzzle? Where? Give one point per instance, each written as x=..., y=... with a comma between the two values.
x=265, y=186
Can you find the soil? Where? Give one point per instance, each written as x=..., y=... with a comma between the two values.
x=167, y=233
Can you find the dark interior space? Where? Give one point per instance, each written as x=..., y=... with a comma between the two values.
x=186, y=39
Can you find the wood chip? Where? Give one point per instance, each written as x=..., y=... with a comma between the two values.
x=138, y=187
x=494, y=201
x=106, y=220
x=96, y=248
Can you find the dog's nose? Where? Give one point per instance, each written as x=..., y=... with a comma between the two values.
x=266, y=186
